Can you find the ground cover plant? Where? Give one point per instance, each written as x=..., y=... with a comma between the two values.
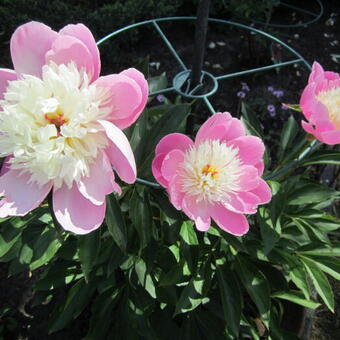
x=232, y=228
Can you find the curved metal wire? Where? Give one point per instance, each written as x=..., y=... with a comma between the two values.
x=316, y=16
x=185, y=70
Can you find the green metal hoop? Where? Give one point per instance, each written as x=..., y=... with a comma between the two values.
x=315, y=16
x=185, y=71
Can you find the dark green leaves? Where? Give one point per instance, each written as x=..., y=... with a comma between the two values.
x=88, y=247
x=320, y=282
x=311, y=193
x=115, y=222
x=296, y=297
x=256, y=285
x=231, y=298
x=323, y=157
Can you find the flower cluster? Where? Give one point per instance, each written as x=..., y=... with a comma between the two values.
x=61, y=133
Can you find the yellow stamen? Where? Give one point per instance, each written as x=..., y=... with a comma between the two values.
x=208, y=169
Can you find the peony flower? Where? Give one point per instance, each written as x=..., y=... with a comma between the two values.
x=60, y=126
x=320, y=104
x=217, y=176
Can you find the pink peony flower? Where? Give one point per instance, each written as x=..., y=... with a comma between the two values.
x=60, y=126
x=217, y=176
x=320, y=104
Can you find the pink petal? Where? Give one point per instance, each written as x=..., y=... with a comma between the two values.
x=139, y=78
x=156, y=169
x=308, y=127
x=174, y=141
x=250, y=148
x=242, y=203
x=263, y=192
x=308, y=99
x=330, y=137
x=324, y=125
x=74, y=212
x=231, y=222
x=216, y=132
x=318, y=112
x=218, y=119
x=29, y=45
x=100, y=182
x=260, y=168
x=317, y=73
x=175, y=192
x=66, y=49
x=331, y=75
x=120, y=153
x=197, y=211
x=236, y=129
x=171, y=163
x=6, y=75
x=82, y=33
x=249, y=178
x=123, y=98
x=20, y=194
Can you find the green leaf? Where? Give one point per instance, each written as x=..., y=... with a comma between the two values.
x=320, y=249
x=77, y=299
x=289, y=132
x=173, y=276
x=296, y=297
x=102, y=307
x=320, y=282
x=190, y=297
x=322, y=157
x=145, y=278
x=88, y=248
x=157, y=83
x=139, y=138
x=253, y=125
x=329, y=265
x=188, y=233
x=294, y=107
x=141, y=216
x=269, y=234
x=115, y=222
x=231, y=298
x=256, y=285
x=48, y=255
x=5, y=246
x=311, y=193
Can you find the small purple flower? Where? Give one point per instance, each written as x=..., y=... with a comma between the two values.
x=278, y=93
x=271, y=109
x=241, y=94
x=160, y=98
x=245, y=87
x=270, y=88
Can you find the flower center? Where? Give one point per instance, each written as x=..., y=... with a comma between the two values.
x=49, y=125
x=331, y=99
x=210, y=171
x=53, y=113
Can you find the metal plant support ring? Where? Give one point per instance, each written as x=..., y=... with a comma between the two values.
x=184, y=75
x=315, y=16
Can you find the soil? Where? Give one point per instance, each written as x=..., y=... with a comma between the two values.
x=235, y=50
